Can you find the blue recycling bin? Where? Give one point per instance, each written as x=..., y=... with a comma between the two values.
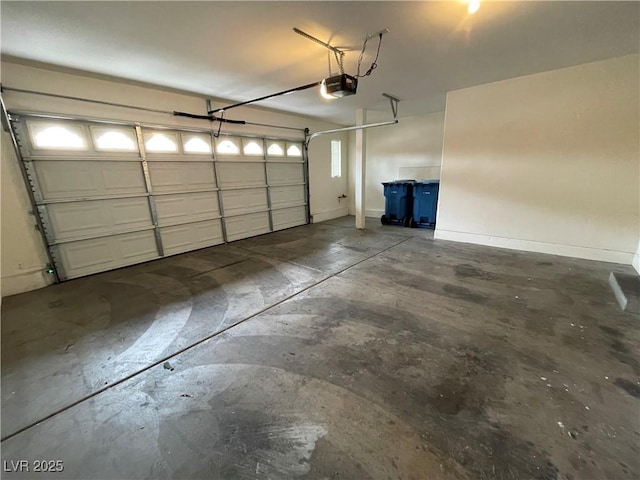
x=398, y=202
x=425, y=203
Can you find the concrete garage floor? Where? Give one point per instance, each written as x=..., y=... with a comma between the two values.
x=326, y=352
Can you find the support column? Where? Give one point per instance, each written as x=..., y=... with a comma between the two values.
x=360, y=178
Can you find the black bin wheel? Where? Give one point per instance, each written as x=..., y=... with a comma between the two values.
x=384, y=220
x=406, y=221
x=413, y=223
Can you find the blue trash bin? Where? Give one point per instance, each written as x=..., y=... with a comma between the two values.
x=398, y=202
x=425, y=203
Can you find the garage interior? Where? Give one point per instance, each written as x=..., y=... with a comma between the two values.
x=196, y=282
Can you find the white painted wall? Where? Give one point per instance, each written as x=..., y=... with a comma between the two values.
x=23, y=254
x=23, y=258
x=546, y=162
x=412, y=149
x=636, y=259
x=325, y=190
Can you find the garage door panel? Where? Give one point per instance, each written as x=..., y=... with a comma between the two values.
x=237, y=202
x=173, y=177
x=113, y=178
x=57, y=180
x=241, y=175
x=186, y=207
x=108, y=197
x=191, y=236
x=289, y=217
x=287, y=196
x=285, y=173
x=245, y=226
x=99, y=217
x=82, y=179
x=99, y=254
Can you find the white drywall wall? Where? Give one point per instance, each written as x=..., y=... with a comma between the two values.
x=325, y=191
x=23, y=253
x=412, y=149
x=636, y=259
x=546, y=162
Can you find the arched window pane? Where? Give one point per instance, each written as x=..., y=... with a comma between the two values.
x=294, y=151
x=228, y=147
x=58, y=136
x=275, y=150
x=161, y=142
x=195, y=144
x=252, y=147
x=108, y=139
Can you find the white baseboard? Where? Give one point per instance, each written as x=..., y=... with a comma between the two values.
x=25, y=282
x=373, y=213
x=539, y=247
x=330, y=214
x=368, y=213
x=636, y=261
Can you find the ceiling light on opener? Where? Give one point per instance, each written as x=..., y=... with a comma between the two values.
x=338, y=86
x=323, y=91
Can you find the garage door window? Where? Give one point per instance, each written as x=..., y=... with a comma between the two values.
x=161, y=142
x=196, y=144
x=275, y=149
x=228, y=147
x=294, y=151
x=57, y=136
x=252, y=147
x=109, y=139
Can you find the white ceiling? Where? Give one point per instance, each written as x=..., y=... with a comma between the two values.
x=242, y=50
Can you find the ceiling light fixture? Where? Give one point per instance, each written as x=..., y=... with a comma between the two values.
x=474, y=6
x=323, y=91
x=338, y=86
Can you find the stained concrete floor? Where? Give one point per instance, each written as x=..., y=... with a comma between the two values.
x=325, y=352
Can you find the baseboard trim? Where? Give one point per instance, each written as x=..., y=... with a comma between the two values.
x=373, y=213
x=539, y=247
x=24, y=282
x=636, y=262
x=330, y=214
x=369, y=213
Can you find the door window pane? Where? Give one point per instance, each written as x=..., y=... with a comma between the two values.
x=57, y=135
x=252, y=147
x=294, y=150
x=228, y=146
x=161, y=142
x=196, y=143
x=107, y=138
x=275, y=149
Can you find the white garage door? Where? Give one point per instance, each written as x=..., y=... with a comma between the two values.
x=111, y=195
